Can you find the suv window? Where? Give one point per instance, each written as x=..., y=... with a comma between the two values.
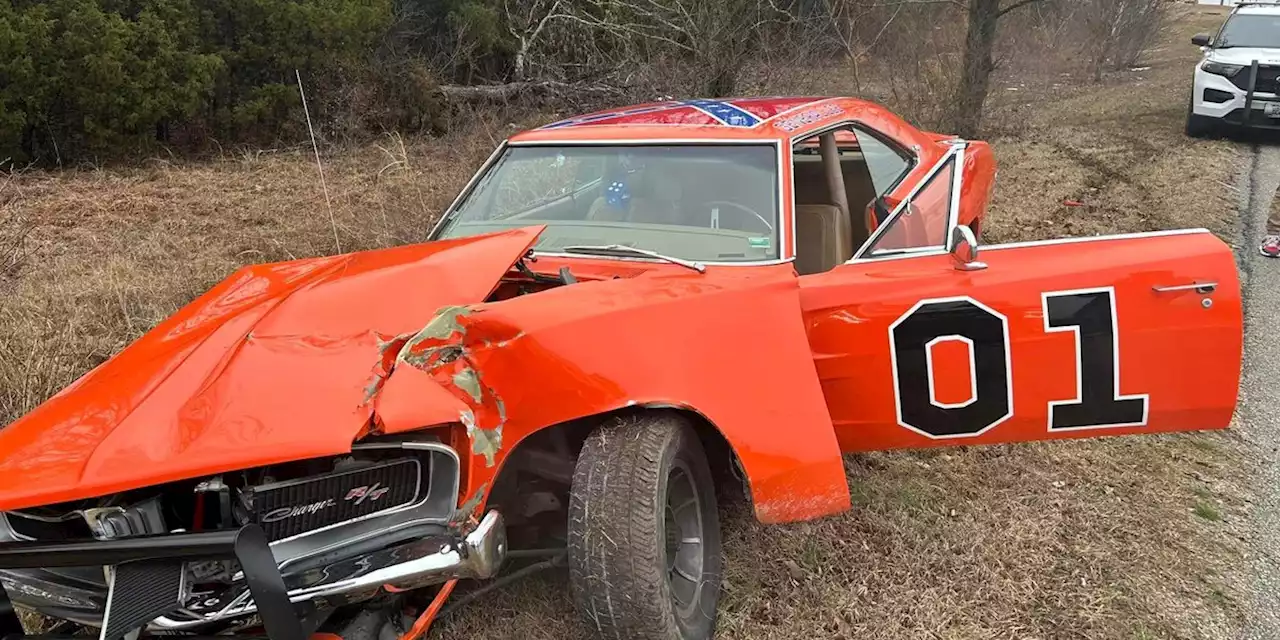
x=1250, y=30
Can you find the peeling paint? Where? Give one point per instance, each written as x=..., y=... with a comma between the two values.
x=468, y=381
x=484, y=442
x=443, y=326
x=371, y=389
x=385, y=346
x=468, y=508
x=440, y=343
x=381, y=369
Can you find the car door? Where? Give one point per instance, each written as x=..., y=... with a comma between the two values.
x=1057, y=339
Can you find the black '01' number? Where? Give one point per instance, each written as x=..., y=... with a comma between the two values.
x=1091, y=315
x=1088, y=313
x=987, y=334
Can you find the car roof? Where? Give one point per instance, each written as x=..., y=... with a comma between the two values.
x=1258, y=9
x=764, y=119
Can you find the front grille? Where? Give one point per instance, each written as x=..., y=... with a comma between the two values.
x=140, y=592
x=286, y=509
x=1268, y=79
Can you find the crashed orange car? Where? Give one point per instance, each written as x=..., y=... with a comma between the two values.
x=617, y=310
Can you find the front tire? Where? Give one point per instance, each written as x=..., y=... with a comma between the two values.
x=644, y=535
x=1199, y=126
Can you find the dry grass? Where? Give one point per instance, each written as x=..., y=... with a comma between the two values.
x=1128, y=538
x=107, y=254
x=1116, y=148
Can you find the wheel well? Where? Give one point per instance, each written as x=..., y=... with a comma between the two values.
x=731, y=479
x=543, y=462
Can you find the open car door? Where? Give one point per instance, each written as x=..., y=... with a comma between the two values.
x=1057, y=339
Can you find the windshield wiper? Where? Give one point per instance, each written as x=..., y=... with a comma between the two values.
x=611, y=249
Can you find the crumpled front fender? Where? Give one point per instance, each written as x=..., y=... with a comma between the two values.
x=729, y=344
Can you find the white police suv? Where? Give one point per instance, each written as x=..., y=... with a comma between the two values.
x=1238, y=81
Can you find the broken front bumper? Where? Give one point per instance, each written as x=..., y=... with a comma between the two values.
x=478, y=554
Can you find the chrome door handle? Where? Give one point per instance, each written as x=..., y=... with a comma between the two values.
x=1201, y=287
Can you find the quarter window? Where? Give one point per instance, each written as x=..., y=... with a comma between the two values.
x=922, y=222
x=885, y=163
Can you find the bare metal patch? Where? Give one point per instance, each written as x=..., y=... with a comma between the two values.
x=469, y=382
x=484, y=442
x=442, y=327
x=439, y=343
x=469, y=507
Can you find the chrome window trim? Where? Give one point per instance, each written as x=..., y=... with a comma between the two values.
x=910, y=154
x=1060, y=241
x=913, y=160
x=956, y=153
x=466, y=189
x=1116, y=236
x=709, y=263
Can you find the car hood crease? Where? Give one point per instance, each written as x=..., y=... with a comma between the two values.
x=275, y=363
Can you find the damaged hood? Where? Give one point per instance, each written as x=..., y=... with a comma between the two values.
x=278, y=362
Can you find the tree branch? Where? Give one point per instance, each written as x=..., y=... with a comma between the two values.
x=1017, y=5
x=503, y=92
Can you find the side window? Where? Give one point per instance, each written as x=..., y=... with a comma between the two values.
x=923, y=220
x=884, y=163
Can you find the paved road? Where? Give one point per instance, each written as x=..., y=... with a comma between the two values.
x=1260, y=392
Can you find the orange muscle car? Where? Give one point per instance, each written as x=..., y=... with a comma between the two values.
x=616, y=307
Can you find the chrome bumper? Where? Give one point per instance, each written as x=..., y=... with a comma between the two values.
x=479, y=555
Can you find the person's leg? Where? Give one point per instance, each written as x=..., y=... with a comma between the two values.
x=1271, y=242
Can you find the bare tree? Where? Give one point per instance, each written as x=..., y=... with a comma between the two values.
x=1119, y=31
x=975, y=78
x=527, y=24
x=717, y=37
x=845, y=18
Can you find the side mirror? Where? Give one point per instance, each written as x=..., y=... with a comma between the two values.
x=964, y=249
x=1202, y=39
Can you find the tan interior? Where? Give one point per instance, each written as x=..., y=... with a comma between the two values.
x=823, y=238
x=822, y=242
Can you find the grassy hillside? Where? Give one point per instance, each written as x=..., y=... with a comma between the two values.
x=1120, y=538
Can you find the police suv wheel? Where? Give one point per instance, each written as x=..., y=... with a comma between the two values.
x=1199, y=126
x=644, y=536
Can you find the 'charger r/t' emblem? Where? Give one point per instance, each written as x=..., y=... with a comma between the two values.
x=370, y=492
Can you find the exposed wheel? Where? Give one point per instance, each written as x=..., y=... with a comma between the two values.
x=644, y=535
x=1199, y=126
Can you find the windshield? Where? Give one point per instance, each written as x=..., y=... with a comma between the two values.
x=710, y=203
x=1250, y=30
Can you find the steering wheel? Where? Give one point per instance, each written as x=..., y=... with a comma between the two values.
x=741, y=208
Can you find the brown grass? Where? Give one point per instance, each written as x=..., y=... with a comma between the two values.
x=1094, y=539
x=109, y=253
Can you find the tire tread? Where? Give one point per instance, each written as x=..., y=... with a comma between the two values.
x=616, y=522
